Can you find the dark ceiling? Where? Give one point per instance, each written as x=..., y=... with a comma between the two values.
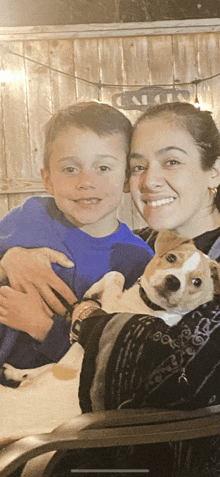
x=61, y=12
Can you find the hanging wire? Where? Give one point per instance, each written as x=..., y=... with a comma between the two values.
x=101, y=85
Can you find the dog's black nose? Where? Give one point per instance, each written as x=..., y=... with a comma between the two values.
x=172, y=283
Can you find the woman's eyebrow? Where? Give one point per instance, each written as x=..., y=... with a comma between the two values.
x=136, y=155
x=170, y=148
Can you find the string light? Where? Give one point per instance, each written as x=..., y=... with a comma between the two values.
x=101, y=85
x=197, y=103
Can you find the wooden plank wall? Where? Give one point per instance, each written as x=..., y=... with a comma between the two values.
x=43, y=80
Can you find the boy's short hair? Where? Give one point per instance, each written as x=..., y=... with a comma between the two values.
x=100, y=118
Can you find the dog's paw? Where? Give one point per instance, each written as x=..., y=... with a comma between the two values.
x=14, y=374
x=117, y=279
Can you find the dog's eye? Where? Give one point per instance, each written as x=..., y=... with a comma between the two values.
x=197, y=282
x=171, y=258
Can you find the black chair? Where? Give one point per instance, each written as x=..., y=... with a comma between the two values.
x=40, y=453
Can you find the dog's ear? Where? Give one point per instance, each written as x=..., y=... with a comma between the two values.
x=167, y=240
x=215, y=274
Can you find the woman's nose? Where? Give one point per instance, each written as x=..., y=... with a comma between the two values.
x=86, y=180
x=152, y=178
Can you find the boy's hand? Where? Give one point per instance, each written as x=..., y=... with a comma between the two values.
x=33, y=266
x=25, y=312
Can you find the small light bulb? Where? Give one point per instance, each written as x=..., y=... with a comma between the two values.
x=197, y=103
x=6, y=76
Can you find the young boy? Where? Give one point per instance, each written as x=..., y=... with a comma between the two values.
x=85, y=159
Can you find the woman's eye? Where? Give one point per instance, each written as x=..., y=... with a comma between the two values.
x=172, y=162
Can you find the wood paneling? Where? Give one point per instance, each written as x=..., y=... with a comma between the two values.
x=107, y=30
x=39, y=102
x=208, y=65
x=51, y=72
x=160, y=59
x=185, y=59
x=63, y=86
x=87, y=67
x=13, y=186
x=136, y=65
x=111, y=67
x=14, y=113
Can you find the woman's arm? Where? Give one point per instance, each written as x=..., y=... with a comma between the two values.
x=178, y=366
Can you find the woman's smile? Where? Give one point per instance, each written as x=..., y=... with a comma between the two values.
x=157, y=202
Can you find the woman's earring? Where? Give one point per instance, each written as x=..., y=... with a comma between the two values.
x=214, y=191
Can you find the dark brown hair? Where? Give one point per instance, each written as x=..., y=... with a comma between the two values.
x=100, y=118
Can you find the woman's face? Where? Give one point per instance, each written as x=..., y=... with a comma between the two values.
x=168, y=185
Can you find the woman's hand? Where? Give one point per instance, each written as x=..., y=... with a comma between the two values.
x=25, y=312
x=25, y=267
x=81, y=311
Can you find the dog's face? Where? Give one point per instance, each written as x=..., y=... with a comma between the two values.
x=180, y=277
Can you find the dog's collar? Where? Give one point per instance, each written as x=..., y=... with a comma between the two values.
x=147, y=300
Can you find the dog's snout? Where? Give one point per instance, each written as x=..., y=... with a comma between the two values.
x=172, y=283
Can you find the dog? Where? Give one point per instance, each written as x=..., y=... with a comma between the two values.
x=177, y=280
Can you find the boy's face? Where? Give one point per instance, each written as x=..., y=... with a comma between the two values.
x=86, y=178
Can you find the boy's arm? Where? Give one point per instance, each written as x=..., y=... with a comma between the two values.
x=33, y=266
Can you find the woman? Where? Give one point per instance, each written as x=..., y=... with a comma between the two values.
x=174, y=182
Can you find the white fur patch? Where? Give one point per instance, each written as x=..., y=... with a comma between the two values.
x=191, y=263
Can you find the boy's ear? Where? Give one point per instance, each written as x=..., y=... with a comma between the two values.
x=126, y=185
x=46, y=178
x=215, y=174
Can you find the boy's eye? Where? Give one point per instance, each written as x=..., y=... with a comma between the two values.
x=70, y=170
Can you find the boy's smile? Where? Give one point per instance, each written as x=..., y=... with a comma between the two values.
x=86, y=177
